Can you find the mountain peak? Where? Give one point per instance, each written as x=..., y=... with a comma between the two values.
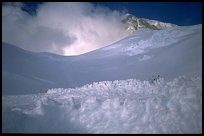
x=134, y=23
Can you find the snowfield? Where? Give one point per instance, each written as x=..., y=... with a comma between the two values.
x=121, y=106
x=169, y=52
x=115, y=89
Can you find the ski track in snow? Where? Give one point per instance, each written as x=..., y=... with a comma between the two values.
x=120, y=106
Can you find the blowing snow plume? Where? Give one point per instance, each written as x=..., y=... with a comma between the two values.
x=61, y=28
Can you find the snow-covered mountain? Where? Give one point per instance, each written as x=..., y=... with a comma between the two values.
x=168, y=52
x=148, y=82
x=134, y=23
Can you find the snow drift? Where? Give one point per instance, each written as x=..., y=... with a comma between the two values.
x=121, y=106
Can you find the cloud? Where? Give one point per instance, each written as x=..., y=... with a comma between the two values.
x=62, y=28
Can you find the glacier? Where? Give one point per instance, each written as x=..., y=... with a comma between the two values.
x=110, y=90
x=169, y=52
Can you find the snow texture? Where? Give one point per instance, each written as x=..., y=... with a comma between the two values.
x=120, y=106
x=149, y=82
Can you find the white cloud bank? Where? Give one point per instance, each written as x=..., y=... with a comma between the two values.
x=62, y=28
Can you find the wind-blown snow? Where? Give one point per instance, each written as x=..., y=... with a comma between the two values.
x=120, y=106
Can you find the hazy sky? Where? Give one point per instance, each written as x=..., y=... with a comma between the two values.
x=76, y=28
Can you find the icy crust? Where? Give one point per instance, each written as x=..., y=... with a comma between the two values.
x=121, y=106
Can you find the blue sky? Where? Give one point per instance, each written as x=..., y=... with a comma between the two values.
x=180, y=13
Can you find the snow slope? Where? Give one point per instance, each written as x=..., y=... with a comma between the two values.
x=110, y=90
x=170, y=52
